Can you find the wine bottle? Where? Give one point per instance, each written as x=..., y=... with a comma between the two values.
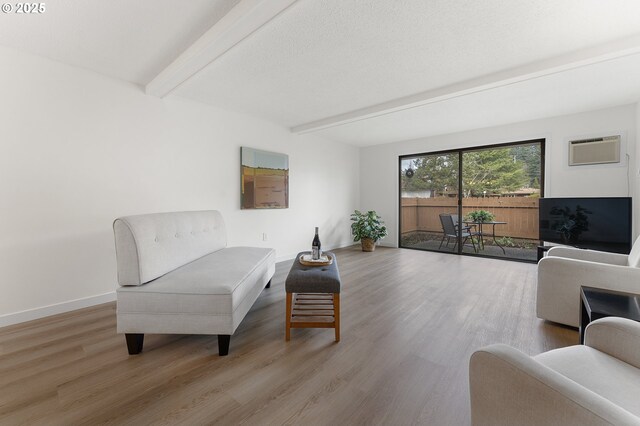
x=316, y=252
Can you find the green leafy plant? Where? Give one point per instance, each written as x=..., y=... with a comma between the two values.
x=570, y=224
x=506, y=242
x=367, y=225
x=480, y=216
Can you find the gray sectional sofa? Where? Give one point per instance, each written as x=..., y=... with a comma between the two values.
x=177, y=276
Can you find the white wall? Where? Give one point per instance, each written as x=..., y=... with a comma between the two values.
x=379, y=172
x=635, y=177
x=80, y=149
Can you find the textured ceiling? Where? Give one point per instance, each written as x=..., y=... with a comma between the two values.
x=319, y=61
x=129, y=40
x=321, y=58
x=588, y=88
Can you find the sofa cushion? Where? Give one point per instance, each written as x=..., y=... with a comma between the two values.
x=150, y=245
x=215, y=284
x=603, y=374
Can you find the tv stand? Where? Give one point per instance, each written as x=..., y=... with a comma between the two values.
x=542, y=250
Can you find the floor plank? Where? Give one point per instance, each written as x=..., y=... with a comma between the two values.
x=410, y=321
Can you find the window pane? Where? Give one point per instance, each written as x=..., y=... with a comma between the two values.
x=501, y=188
x=429, y=203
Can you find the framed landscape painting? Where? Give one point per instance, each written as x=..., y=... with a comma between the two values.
x=264, y=180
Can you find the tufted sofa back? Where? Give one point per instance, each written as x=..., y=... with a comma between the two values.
x=151, y=245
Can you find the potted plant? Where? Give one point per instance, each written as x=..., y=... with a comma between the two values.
x=572, y=224
x=367, y=228
x=480, y=216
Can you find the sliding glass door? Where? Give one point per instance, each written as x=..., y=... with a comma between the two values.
x=474, y=201
x=429, y=207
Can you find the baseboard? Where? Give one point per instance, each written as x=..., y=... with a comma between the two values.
x=391, y=245
x=58, y=308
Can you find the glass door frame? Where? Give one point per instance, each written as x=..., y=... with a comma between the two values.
x=460, y=152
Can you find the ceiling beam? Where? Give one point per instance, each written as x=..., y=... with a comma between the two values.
x=605, y=52
x=241, y=21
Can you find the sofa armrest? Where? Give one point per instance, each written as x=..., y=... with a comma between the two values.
x=589, y=255
x=508, y=387
x=618, y=337
x=560, y=279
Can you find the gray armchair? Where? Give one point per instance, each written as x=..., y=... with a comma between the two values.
x=566, y=269
x=597, y=383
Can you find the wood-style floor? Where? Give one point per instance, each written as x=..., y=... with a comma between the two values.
x=410, y=321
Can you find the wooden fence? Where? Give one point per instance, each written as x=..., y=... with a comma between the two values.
x=520, y=213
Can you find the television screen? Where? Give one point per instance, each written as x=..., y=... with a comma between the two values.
x=594, y=223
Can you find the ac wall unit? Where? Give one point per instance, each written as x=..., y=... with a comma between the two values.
x=594, y=151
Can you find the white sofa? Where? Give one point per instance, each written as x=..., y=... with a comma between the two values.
x=177, y=276
x=597, y=383
x=564, y=270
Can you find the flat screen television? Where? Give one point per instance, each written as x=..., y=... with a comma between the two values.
x=594, y=223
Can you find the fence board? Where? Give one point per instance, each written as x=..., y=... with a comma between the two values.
x=520, y=213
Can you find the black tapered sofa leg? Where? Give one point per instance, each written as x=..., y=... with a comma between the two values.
x=268, y=284
x=134, y=343
x=223, y=344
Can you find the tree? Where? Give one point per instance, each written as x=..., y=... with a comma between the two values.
x=436, y=173
x=536, y=183
x=530, y=156
x=493, y=170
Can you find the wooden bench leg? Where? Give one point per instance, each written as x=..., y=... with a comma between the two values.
x=287, y=331
x=336, y=314
x=223, y=344
x=134, y=342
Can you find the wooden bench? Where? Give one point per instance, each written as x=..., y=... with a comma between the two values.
x=313, y=297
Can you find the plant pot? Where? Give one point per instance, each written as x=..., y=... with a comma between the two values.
x=368, y=244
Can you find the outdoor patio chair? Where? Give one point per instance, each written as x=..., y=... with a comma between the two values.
x=451, y=230
x=466, y=226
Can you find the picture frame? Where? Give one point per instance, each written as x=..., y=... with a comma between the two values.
x=264, y=179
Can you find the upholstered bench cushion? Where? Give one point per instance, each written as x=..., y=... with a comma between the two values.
x=217, y=285
x=313, y=279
